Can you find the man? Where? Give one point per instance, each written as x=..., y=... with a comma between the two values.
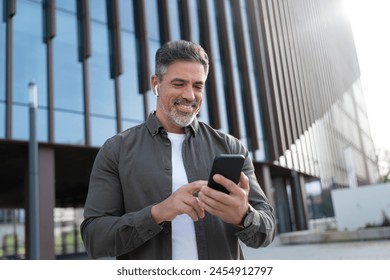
x=148, y=196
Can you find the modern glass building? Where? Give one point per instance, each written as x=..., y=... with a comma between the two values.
x=284, y=78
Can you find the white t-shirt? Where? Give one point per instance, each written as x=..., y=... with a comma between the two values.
x=183, y=229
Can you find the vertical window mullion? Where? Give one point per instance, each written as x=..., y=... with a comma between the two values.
x=50, y=32
x=10, y=11
x=115, y=54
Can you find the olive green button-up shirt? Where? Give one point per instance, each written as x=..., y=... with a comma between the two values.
x=133, y=171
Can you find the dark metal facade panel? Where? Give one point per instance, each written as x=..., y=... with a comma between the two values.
x=142, y=47
x=274, y=77
x=165, y=31
x=114, y=31
x=84, y=41
x=84, y=29
x=185, y=16
x=256, y=28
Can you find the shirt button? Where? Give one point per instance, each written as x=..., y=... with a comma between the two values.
x=166, y=231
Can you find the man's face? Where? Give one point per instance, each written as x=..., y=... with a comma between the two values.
x=180, y=94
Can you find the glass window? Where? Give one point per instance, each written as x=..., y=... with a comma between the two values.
x=67, y=5
x=126, y=15
x=29, y=63
x=101, y=86
x=174, y=20
x=101, y=130
x=2, y=118
x=102, y=98
x=98, y=10
x=236, y=71
x=260, y=153
x=194, y=18
x=2, y=55
x=216, y=60
x=29, y=52
x=152, y=23
x=69, y=127
x=21, y=123
x=68, y=84
x=132, y=104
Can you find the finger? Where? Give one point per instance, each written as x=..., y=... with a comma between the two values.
x=210, y=198
x=244, y=182
x=194, y=187
x=192, y=208
x=228, y=184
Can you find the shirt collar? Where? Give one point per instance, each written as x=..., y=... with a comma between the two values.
x=155, y=127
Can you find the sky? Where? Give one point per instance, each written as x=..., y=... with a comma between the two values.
x=370, y=20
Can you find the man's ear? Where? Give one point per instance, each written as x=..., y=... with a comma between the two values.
x=154, y=82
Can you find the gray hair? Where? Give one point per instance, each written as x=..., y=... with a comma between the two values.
x=179, y=50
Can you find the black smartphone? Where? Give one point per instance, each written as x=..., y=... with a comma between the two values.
x=229, y=166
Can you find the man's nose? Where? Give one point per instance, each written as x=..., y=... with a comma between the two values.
x=188, y=93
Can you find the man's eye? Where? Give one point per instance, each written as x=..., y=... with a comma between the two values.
x=178, y=85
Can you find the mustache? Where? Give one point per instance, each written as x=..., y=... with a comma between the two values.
x=181, y=101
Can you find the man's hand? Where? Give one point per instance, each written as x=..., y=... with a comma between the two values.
x=182, y=201
x=231, y=207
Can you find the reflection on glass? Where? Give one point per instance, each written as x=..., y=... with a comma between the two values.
x=67, y=5
x=20, y=123
x=126, y=15
x=174, y=22
x=236, y=72
x=69, y=128
x=67, y=74
x=101, y=130
x=131, y=100
x=29, y=54
x=98, y=10
x=194, y=17
x=101, y=87
x=29, y=63
x=216, y=61
x=152, y=23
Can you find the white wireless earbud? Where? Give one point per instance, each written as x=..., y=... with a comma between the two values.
x=155, y=91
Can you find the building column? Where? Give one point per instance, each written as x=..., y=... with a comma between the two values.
x=298, y=198
x=46, y=201
x=267, y=184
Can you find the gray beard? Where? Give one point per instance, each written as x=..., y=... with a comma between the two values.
x=178, y=120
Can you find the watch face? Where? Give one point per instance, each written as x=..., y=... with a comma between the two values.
x=248, y=219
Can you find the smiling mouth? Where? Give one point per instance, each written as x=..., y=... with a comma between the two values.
x=185, y=106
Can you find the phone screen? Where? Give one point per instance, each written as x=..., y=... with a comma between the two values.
x=229, y=166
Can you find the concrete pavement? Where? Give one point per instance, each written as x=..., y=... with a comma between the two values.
x=346, y=250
